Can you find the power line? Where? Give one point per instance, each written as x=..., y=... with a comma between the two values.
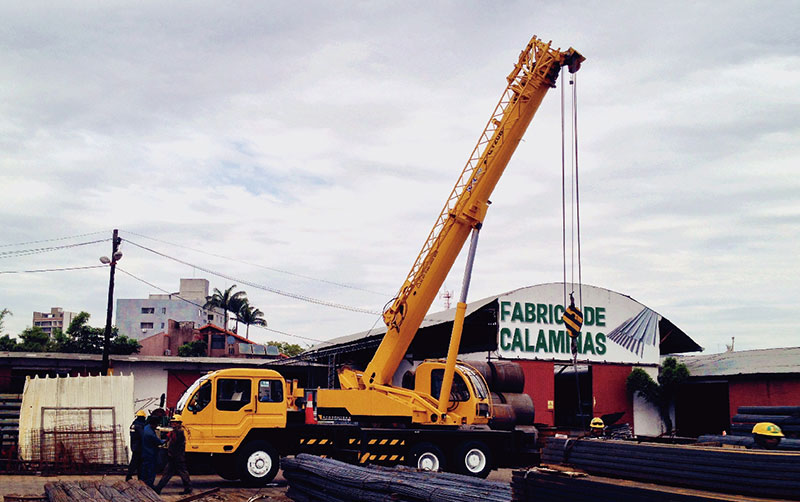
x=50, y=269
x=259, y=286
x=334, y=283
x=204, y=308
x=54, y=239
x=28, y=252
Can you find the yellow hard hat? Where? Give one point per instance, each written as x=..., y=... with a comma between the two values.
x=597, y=423
x=767, y=429
x=141, y=413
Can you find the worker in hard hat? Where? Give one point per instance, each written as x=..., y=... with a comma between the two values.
x=597, y=427
x=135, y=467
x=767, y=435
x=176, y=457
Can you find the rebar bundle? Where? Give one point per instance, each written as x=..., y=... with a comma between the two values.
x=747, y=472
x=316, y=479
x=72, y=448
x=100, y=491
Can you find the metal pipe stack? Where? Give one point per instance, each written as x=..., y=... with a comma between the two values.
x=747, y=472
x=317, y=479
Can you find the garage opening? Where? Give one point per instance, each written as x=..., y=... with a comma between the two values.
x=567, y=411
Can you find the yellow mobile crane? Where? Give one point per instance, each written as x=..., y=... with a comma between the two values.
x=243, y=420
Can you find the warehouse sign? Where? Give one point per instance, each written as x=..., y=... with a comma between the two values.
x=615, y=327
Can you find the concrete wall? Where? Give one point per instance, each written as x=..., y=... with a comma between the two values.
x=609, y=392
x=149, y=382
x=647, y=421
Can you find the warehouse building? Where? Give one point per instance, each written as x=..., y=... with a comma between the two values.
x=525, y=326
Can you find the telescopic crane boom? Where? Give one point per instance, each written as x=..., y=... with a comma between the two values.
x=533, y=75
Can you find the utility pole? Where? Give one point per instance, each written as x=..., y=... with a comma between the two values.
x=115, y=256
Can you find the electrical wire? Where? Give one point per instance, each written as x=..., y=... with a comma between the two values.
x=204, y=308
x=50, y=269
x=258, y=286
x=28, y=252
x=54, y=239
x=273, y=269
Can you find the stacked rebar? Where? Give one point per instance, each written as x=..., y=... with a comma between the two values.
x=747, y=472
x=785, y=417
x=748, y=441
x=316, y=479
x=100, y=491
x=544, y=485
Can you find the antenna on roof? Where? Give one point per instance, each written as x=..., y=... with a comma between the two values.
x=729, y=348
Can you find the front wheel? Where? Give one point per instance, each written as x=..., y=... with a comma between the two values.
x=258, y=463
x=473, y=459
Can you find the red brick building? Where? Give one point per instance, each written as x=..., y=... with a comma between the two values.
x=219, y=342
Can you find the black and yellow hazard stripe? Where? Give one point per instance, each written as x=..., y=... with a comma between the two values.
x=573, y=320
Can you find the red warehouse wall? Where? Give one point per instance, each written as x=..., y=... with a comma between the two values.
x=766, y=391
x=178, y=382
x=540, y=385
x=608, y=389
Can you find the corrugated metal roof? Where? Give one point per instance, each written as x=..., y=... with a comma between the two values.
x=62, y=356
x=745, y=362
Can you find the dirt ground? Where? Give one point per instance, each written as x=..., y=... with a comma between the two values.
x=229, y=490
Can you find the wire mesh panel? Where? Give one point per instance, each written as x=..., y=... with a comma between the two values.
x=79, y=436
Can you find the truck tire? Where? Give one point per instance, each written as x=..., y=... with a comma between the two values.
x=258, y=463
x=473, y=458
x=426, y=456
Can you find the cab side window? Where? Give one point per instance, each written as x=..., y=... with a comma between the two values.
x=200, y=399
x=270, y=391
x=458, y=392
x=233, y=393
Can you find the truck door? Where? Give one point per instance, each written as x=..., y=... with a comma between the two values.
x=233, y=407
x=197, y=415
x=271, y=406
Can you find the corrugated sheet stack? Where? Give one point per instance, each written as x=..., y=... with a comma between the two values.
x=100, y=491
x=747, y=472
x=785, y=417
x=316, y=479
x=545, y=485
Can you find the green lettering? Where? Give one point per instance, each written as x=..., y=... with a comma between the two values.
x=541, y=342
x=556, y=340
x=505, y=334
x=504, y=310
x=578, y=340
x=588, y=347
x=588, y=316
x=550, y=312
x=541, y=312
x=517, y=315
x=563, y=336
x=600, y=342
x=528, y=346
x=601, y=316
x=530, y=312
x=517, y=342
x=558, y=311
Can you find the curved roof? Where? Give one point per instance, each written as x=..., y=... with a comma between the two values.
x=481, y=324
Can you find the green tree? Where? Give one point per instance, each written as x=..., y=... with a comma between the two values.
x=290, y=349
x=196, y=348
x=34, y=339
x=225, y=300
x=250, y=316
x=8, y=344
x=662, y=394
x=82, y=338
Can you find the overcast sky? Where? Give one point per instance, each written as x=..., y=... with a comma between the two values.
x=313, y=144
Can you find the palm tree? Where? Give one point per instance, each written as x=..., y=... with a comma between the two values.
x=224, y=300
x=235, y=305
x=249, y=315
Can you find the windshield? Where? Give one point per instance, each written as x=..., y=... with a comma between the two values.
x=186, y=395
x=481, y=391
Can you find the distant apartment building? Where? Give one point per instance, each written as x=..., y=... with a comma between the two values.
x=140, y=318
x=218, y=342
x=56, y=318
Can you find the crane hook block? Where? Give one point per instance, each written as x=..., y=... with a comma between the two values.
x=573, y=318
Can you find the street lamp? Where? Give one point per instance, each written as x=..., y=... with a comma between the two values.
x=116, y=255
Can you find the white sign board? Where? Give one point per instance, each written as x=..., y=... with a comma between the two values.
x=615, y=329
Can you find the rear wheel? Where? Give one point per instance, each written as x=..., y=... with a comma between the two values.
x=258, y=463
x=473, y=459
x=426, y=456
